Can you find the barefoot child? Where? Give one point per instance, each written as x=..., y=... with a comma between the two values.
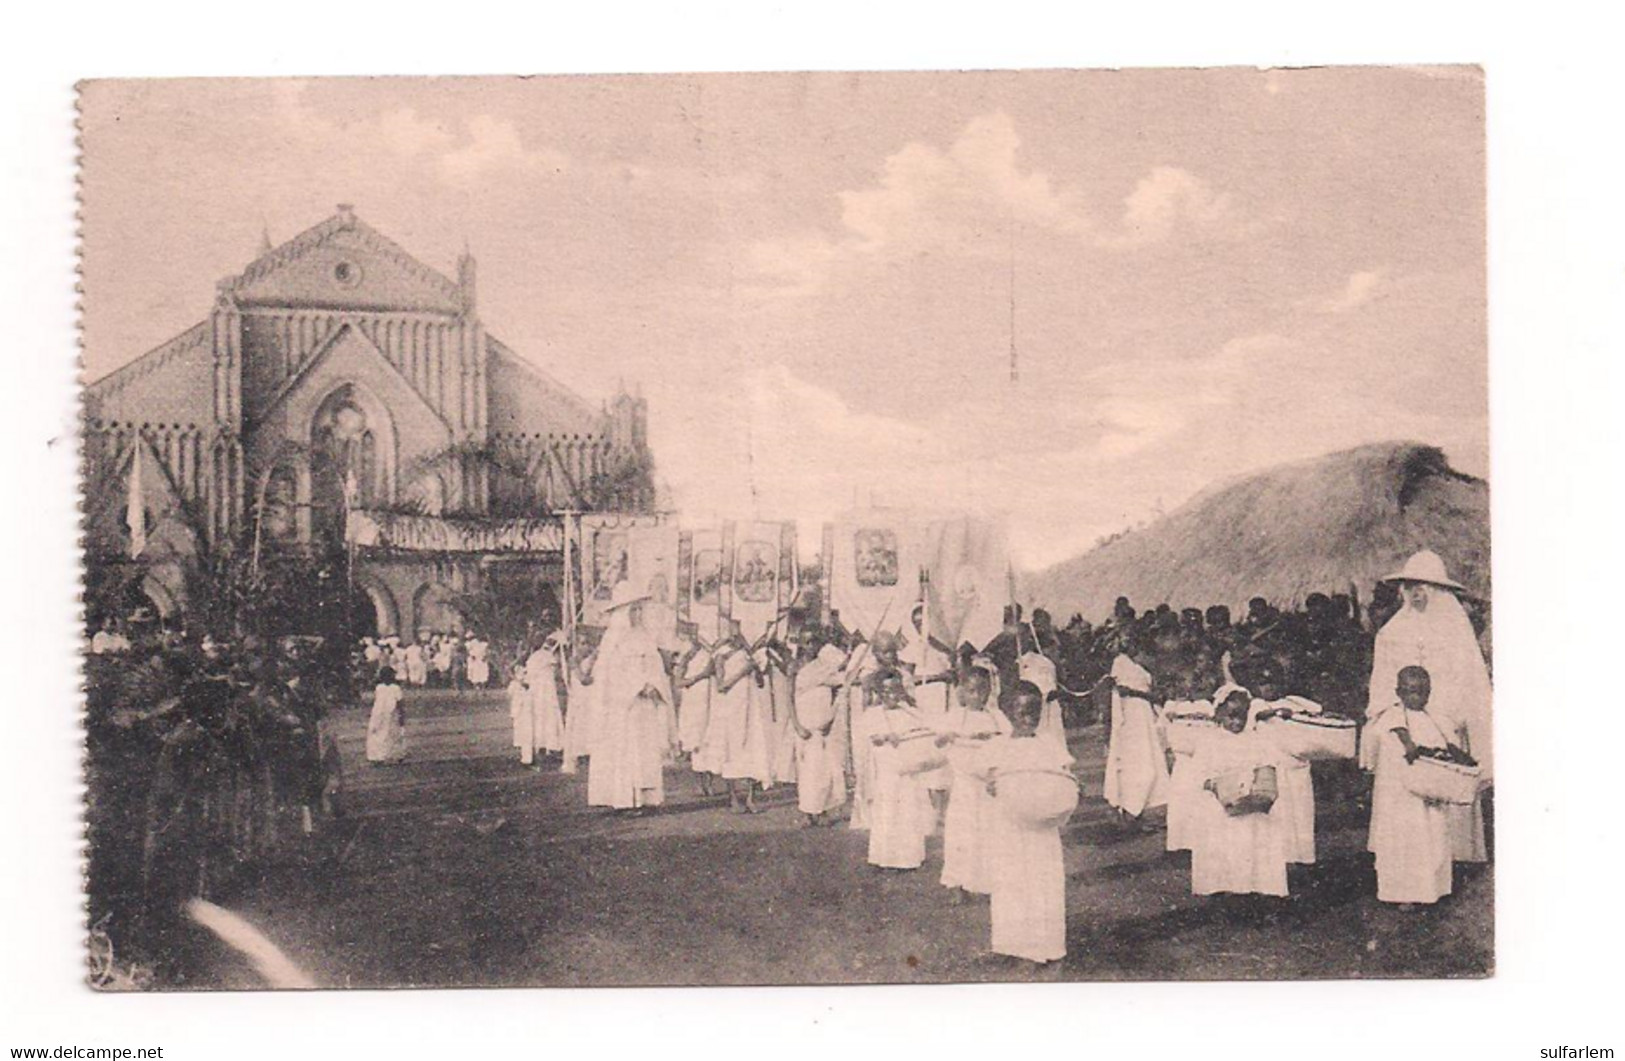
x=1026, y=873
x=524, y=721
x=820, y=775
x=971, y=815
x=899, y=809
x=1409, y=835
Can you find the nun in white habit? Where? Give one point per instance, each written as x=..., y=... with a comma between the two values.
x=1431, y=630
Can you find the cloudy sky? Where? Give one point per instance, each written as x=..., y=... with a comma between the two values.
x=811, y=277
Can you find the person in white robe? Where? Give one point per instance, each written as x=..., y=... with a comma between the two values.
x=479, y=663
x=1136, y=765
x=1410, y=836
x=932, y=664
x=519, y=711
x=972, y=816
x=742, y=708
x=773, y=662
x=1431, y=630
x=416, y=667
x=698, y=722
x=820, y=775
x=1027, y=875
x=634, y=730
x=900, y=813
x=870, y=660
x=580, y=705
x=542, y=672
x=1296, y=799
x=1039, y=669
x=1184, y=781
x=386, y=726
x=1236, y=853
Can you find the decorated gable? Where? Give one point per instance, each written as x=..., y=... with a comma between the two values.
x=344, y=263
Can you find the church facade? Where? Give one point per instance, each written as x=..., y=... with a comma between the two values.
x=343, y=395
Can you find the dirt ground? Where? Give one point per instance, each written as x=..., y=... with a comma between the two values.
x=460, y=867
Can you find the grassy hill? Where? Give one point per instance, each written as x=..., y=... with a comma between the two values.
x=1325, y=524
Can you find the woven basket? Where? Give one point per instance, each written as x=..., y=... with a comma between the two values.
x=1247, y=791
x=1440, y=782
x=1315, y=736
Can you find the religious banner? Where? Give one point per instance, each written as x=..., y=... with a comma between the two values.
x=605, y=543
x=761, y=586
x=652, y=554
x=875, y=578
x=705, y=583
x=969, y=563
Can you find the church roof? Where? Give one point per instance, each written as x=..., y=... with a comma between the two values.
x=174, y=381
x=298, y=271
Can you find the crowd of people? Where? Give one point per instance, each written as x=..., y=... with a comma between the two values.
x=207, y=752
x=435, y=659
x=903, y=736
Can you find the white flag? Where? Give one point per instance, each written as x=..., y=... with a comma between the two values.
x=135, y=511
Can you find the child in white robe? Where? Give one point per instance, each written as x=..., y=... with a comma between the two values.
x=386, y=727
x=1410, y=836
x=542, y=682
x=578, y=712
x=1296, y=801
x=1236, y=853
x=933, y=670
x=743, y=712
x=971, y=816
x=417, y=670
x=1027, y=875
x=820, y=775
x=479, y=664
x=899, y=807
x=1136, y=765
x=1184, y=783
x=524, y=722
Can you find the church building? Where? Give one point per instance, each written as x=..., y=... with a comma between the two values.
x=342, y=395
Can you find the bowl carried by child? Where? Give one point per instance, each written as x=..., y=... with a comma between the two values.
x=1442, y=781
x=1315, y=736
x=1036, y=798
x=1250, y=791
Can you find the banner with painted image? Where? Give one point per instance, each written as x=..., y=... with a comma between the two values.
x=652, y=554
x=606, y=558
x=876, y=570
x=969, y=560
x=704, y=583
x=763, y=574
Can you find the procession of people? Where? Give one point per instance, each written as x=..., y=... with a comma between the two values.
x=1215, y=734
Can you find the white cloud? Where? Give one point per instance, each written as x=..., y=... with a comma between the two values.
x=495, y=144
x=972, y=199
x=1360, y=289
x=409, y=135
x=1167, y=200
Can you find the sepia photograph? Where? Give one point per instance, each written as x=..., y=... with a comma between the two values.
x=812, y=528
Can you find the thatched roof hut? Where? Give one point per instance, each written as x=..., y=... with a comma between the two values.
x=1327, y=524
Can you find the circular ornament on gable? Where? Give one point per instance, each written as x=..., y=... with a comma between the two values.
x=346, y=273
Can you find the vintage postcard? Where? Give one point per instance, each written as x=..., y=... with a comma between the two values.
x=786, y=528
